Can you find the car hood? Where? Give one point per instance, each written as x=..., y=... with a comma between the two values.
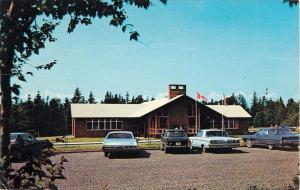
x=216, y=138
x=177, y=138
x=120, y=142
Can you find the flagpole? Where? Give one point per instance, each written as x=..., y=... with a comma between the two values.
x=222, y=114
x=196, y=123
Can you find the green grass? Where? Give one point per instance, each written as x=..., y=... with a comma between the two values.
x=153, y=145
x=71, y=139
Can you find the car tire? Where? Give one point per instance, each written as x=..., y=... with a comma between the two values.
x=167, y=150
x=105, y=154
x=249, y=143
x=271, y=146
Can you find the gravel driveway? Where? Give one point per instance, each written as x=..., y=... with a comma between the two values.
x=238, y=170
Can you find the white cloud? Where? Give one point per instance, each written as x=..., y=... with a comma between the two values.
x=161, y=95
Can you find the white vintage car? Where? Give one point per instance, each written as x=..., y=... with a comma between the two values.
x=213, y=139
x=119, y=141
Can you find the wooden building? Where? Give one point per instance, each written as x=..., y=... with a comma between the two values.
x=151, y=118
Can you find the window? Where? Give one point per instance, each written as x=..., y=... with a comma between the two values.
x=162, y=122
x=113, y=124
x=120, y=136
x=104, y=124
x=200, y=134
x=173, y=87
x=89, y=125
x=191, y=122
x=101, y=124
x=191, y=110
x=180, y=87
x=260, y=132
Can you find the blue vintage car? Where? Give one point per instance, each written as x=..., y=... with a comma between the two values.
x=272, y=138
x=119, y=141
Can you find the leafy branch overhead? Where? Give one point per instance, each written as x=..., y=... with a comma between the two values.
x=22, y=19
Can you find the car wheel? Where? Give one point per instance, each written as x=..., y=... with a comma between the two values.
x=166, y=150
x=271, y=146
x=105, y=154
x=249, y=143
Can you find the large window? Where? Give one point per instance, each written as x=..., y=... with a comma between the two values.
x=104, y=124
x=192, y=121
x=163, y=119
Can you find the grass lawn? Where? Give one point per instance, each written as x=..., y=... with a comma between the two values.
x=71, y=139
x=153, y=145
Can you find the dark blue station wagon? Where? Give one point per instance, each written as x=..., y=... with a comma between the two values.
x=273, y=138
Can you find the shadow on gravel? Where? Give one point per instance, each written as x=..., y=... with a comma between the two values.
x=288, y=149
x=140, y=154
x=233, y=151
x=184, y=152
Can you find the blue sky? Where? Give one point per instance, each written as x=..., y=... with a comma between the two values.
x=214, y=47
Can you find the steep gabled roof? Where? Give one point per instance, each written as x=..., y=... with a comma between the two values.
x=118, y=110
x=230, y=111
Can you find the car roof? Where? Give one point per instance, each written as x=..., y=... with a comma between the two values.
x=167, y=130
x=20, y=133
x=119, y=132
x=213, y=129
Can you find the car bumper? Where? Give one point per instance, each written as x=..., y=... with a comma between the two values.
x=178, y=147
x=111, y=149
x=235, y=145
x=293, y=143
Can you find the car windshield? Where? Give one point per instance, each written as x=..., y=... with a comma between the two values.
x=283, y=131
x=176, y=134
x=216, y=134
x=13, y=137
x=119, y=136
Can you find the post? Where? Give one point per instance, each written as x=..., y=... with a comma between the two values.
x=196, y=122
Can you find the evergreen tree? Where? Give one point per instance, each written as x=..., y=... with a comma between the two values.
x=242, y=101
x=255, y=105
x=91, y=99
x=127, y=101
x=78, y=97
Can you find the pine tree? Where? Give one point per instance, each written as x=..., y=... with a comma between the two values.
x=255, y=105
x=127, y=101
x=78, y=97
x=242, y=101
x=91, y=99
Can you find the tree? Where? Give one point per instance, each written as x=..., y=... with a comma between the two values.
x=23, y=33
x=255, y=105
x=242, y=101
x=77, y=97
x=91, y=99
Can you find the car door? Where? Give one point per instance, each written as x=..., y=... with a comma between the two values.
x=264, y=137
x=196, y=141
x=258, y=136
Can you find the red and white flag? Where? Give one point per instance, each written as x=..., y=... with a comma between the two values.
x=201, y=97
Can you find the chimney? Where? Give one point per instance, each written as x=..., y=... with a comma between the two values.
x=176, y=89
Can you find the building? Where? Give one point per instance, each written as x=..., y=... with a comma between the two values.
x=151, y=118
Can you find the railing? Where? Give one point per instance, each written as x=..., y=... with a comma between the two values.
x=156, y=131
x=159, y=131
x=99, y=143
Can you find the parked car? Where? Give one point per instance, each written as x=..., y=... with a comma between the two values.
x=119, y=141
x=25, y=144
x=214, y=139
x=272, y=138
x=175, y=139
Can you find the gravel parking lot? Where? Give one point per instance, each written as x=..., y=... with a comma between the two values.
x=237, y=170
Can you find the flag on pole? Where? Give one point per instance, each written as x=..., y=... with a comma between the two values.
x=201, y=97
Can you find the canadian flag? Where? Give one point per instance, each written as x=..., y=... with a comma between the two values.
x=201, y=97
